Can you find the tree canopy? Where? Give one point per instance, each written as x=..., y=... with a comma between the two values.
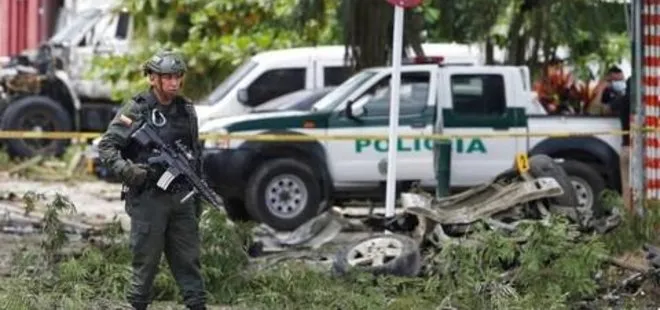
x=217, y=35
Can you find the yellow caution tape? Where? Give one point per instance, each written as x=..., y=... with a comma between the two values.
x=322, y=137
x=49, y=135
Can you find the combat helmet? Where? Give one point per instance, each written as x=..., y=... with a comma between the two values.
x=165, y=62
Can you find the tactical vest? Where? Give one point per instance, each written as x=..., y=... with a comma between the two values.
x=181, y=124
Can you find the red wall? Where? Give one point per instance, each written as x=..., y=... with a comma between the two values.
x=21, y=25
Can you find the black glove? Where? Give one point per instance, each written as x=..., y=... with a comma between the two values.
x=135, y=174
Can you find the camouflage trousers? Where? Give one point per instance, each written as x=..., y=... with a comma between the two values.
x=160, y=223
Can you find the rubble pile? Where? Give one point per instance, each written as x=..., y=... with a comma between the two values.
x=510, y=217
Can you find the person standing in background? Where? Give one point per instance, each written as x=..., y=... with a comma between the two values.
x=621, y=106
x=609, y=91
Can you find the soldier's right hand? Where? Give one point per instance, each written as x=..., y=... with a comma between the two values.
x=135, y=174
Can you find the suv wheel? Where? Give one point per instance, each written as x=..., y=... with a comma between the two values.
x=588, y=184
x=283, y=194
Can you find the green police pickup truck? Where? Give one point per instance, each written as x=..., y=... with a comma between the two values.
x=283, y=184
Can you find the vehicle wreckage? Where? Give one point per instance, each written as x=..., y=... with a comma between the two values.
x=344, y=239
x=48, y=89
x=532, y=191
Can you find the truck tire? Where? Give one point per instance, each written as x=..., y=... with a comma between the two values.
x=34, y=112
x=380, y=254
x=544, y=166
x=283, y=194
x=588, y=183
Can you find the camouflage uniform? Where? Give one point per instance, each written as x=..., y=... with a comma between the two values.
x=159, y=222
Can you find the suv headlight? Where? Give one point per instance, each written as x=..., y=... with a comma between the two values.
x=216, y=140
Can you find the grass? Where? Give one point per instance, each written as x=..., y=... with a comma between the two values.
x=5, y=161
x=634, y=231
x=551, y=270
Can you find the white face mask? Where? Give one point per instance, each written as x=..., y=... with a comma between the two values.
x=619, y=86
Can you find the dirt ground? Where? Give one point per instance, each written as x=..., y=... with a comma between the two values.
x=94, y=200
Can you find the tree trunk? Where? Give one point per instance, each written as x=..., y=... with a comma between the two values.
x=490, y=51
x=368, y=32
x=414, y=24
x=518, y=41
x=537, y=36
x=514, y=37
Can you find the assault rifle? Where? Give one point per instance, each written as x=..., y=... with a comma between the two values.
x=177, y=160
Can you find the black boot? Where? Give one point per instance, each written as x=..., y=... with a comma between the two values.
x=139, y=306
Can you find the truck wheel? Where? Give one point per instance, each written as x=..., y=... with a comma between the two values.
x=544, y=166
x=588, y=185
x=283, y=194
x=381, y=254
x=36, y=113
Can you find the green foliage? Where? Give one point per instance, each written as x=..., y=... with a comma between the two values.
x=218, y=35
x=214, y=36
x=224, y=256
x=550, y=269
x=595, y=31
x=634, y=231
x=462, y=21
x=541, y=265
x=47, y=277
x=5, y=160
x=532, y=31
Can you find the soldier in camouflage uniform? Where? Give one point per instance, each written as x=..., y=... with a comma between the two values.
x=159, y=222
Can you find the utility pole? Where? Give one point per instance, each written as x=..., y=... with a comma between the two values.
x=395, y=85
x=637, y=169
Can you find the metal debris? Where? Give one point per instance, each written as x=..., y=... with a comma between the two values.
x=479, y=203
x=311, y=235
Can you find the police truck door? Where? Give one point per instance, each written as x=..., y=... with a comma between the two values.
x=481, y=101
x=364, y=159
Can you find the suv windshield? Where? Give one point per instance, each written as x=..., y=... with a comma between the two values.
x=77, y=25
x=300, y=100
x=286, y=101
x=340, y=93
x=229, y=83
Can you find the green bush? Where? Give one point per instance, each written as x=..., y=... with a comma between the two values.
x=553, y=268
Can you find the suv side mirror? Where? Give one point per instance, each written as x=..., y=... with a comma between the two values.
x=358, y=111
x=242, y=96
x=354, y=111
